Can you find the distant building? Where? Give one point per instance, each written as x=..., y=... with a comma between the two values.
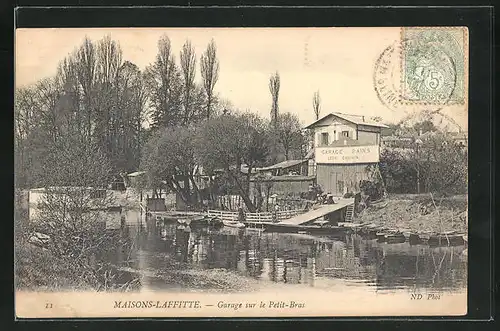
x=344, y=145
x=405, y=144
x=401, y=144
x=289, y=167
x=134, y=178
x=96, y=200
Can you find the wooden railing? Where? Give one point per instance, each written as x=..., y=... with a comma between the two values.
x=255, y=217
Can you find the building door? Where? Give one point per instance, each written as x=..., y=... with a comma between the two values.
x=336, y=183
x=340, y=183
x=331, y=183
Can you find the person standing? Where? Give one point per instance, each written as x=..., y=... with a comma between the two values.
x=241, y=215
x=275, y=213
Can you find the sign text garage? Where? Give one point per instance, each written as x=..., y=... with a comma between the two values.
x=348, y=154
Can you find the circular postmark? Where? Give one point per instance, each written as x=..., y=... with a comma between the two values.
x=411, y=75
x=384, y=81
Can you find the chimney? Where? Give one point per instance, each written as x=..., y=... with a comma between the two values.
x=363, y=118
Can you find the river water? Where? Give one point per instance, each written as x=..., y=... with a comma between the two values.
x=287, y=260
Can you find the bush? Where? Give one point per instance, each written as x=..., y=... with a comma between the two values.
x=36, y=269
x=398, y=172
x=437, y=163
x=374, y=190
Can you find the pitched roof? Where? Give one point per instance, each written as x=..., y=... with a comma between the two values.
x=135, y=174
x=283, y=165
x=356, y=119
x=285, y=178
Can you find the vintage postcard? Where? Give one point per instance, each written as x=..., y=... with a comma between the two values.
x=241, y=172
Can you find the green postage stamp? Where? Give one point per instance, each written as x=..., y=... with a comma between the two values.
x=433, y=65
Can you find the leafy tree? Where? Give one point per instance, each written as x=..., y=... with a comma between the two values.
x=169, y=158
x=425, y=126
x=442, y=165
x=436, y=162
x=289, y=133
x=228, y=141
x=398, y=172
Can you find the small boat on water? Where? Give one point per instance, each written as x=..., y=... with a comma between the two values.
x=370, y=231
x=391, y=237
x=446, y=240
x=395, y=238
x=326, y=230
x=306, y=229
x=200, y=221
x=234, y=224
x=413, y=239
x=380, y=236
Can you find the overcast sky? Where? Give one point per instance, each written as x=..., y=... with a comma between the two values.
x=339, y=62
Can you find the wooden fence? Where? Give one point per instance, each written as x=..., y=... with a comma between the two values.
x=255, y=217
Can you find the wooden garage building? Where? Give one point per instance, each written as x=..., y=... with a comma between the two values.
x=344, y=148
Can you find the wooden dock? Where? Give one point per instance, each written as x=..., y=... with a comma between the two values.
x=322, y=211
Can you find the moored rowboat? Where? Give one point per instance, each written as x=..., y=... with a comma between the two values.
x=234, y=224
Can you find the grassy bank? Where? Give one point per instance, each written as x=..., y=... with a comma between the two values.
x=36, y=269
x=418, y=213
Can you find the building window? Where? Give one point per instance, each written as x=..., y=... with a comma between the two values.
x=345, y=134
x=324, y=138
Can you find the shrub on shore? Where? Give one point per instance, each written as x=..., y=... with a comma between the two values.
x=419, y=213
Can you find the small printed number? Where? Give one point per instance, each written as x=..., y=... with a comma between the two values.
x=48, y=305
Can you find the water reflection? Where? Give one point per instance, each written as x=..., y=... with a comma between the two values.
x=299, y=259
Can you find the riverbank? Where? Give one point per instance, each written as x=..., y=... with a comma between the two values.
x=37, y=269
x=419, y=214
x=181, y=276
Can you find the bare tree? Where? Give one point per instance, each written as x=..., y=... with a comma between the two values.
x=109, y=63
x=109, y=60
x=52, y=115
x=24, y=123
x=209, y=72
x=164, y=86
x=188, y=64
x=274, y=88
x=316, y=104
x=132, y=101
x=86, y=57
